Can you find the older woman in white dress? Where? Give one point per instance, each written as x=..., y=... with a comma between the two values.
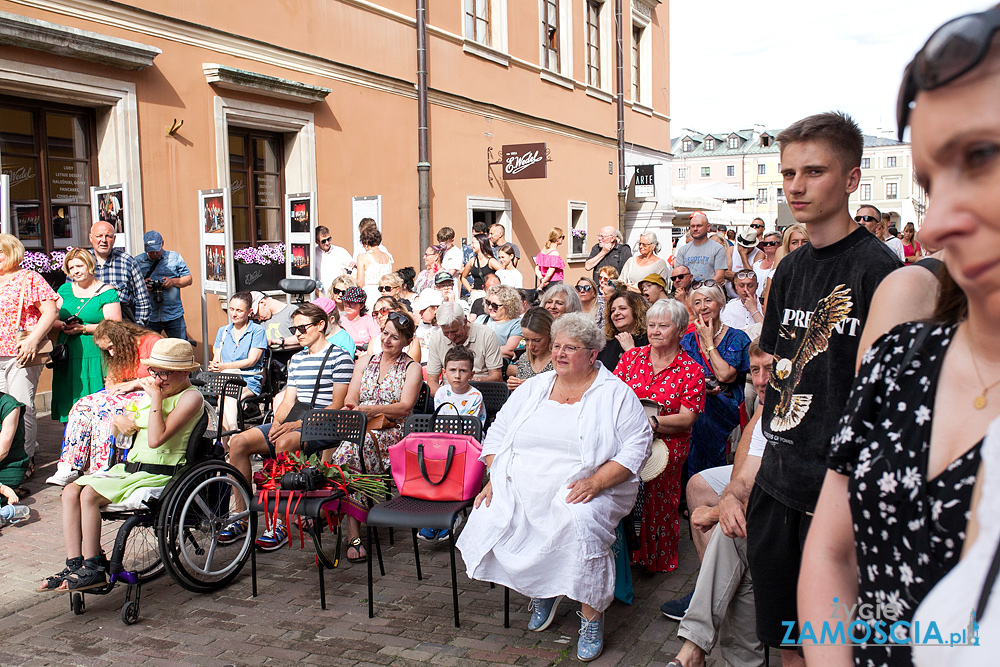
x=563, y=456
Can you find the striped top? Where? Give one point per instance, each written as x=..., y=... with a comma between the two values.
x=304, y=367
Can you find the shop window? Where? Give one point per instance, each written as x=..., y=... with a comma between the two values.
x=46, y=151
x=257, y=183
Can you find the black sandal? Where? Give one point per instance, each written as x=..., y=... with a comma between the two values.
x=55, y=581
x=93, y=574
x=356, y=545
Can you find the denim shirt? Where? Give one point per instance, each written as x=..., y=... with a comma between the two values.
x=171, y=266
x=231, y=350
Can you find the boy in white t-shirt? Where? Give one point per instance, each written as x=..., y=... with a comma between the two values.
x=458, y=363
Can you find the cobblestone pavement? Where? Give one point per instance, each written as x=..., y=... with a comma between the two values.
x=284, y=625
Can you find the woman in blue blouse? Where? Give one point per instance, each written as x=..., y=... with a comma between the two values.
x=239, y=347
x=722, y=353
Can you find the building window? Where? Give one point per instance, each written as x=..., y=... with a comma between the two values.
x=477, y=21
x=761, y=195
x=550, y=34
x=594, y=43
x=866, y=163
x=761, y=168
x=682, y=173
x=765, y=141
x=636, y=58
x=731, y=170
x=865, y=192
x=781, y=195
x=46, y=151
x=891, y=190
x=890, y=161
x=734, y=142
x=687, y=145
x=709, y=144
x=706, y=172
x=257, y=180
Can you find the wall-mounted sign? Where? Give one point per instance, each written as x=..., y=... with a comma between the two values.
x=523, y=161
x=645, y=185
x=108, y=203
x=300, y=223
x=214, y=228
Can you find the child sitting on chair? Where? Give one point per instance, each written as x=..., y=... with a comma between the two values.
x=167, y=417
x=467, y=400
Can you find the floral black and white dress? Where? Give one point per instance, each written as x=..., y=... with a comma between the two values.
x=908, y=530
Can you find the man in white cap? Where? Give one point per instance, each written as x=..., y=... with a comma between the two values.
x=165, y=272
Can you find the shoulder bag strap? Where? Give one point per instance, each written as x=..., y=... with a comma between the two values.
x=991, y=577
x=80, y=309
x=153, y=268
x=319, y=375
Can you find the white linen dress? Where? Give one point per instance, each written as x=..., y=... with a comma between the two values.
x=529, y=538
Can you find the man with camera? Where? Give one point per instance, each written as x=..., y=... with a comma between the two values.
x=165, y=273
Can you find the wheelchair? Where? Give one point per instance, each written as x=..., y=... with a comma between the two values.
x=178, y=531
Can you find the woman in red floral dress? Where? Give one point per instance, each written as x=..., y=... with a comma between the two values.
x=663, y=372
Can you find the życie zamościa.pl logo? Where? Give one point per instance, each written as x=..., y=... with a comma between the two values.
x=877, y=624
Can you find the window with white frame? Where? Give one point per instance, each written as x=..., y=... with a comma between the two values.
x=761, y=195
x=594, y=42
x=578, y=228
x=761, y=168
x=550, y=34
x=731, y=170
x=865, y=192
x=682, y=172
x=780, y=195
x=734, y=142
x=709, y=143
x=706, y=172
x=890, y=161
x=687, y=145
x=866, y=163
x=477, y=21
x=891, y=190
x=485, y=24
x=636, y=64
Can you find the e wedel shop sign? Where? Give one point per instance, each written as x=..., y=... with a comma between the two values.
x=523, y=161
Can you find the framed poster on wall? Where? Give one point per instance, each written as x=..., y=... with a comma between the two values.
x=361, y=208
x=214, y=225
x=300, y=224
x=109, y=203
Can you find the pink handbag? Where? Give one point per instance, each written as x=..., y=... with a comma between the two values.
x=437, y=466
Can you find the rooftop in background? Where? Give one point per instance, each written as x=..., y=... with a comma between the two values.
x=745, y=142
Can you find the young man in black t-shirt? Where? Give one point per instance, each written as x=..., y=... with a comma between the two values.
x=816, y=310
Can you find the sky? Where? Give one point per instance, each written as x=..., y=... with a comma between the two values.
x=788, y=59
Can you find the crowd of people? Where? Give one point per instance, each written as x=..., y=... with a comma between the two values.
x=819, y=410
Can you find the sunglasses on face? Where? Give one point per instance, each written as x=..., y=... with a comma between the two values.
x=865, y=218
x=679, y=276
x=583, y=288
x=745, y=274
x=385, y=288
x=338, y=292
x=492, y=305
x=325, y=241
x=382, y=311
x=954, y=49
x=757, y=226
x=703, y=283
x=768, y=244
x=302, y=328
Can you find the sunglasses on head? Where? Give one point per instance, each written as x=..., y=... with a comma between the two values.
x=385, y=288
x=865, y=218
x=301, y=328
x=399, y=318
x=952, y=50
x=768, y=244
x=679, y=276
x=745, y=274
x=583, y=288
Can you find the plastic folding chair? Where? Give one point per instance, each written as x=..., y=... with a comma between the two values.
x=495, y=394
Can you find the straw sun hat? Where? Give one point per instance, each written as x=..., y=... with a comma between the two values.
x=659, y=456
x=172, y=354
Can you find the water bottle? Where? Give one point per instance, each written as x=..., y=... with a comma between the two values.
x=14, y=513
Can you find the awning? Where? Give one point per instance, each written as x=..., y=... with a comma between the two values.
x=726, y=192
x=685, y=200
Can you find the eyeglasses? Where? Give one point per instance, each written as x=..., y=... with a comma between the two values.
x=703, y=283
x=583, y=288
x=492, y=305
x=402, y=319
x=865, y=218
x=338, y=292
x=768, y=244
x=386, y=288
x=643, y=245
x=954, y=49
x=302, y=328
x=160, y=375
x=745, y=274
x=679, y=276
x=568, y=349
x=325, y=241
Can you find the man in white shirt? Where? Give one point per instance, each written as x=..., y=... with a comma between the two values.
x=332, y=261
x=745, y=312
x=744, y=253
x=871, y=218
x=452, y=260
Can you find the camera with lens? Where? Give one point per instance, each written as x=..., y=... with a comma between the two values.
x=307, y=479
x=155, y=290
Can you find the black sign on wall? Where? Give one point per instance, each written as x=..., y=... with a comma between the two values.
x=645, y=185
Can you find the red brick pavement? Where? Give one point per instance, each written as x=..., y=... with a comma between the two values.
x=284, y=625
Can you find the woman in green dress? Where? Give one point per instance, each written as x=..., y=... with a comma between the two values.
x=84, y=301
x=166, y=418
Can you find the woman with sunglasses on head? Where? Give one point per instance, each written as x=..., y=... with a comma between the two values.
x=898, y=508
x=645, y=262
x=380, y=314
x=624, y=326
x=591, y=299
x=503, y=312
x=764, y=267
x=723, y=353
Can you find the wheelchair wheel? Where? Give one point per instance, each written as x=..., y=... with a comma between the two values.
x=130, y=612
x=191, y=519
x=76, y=603
x=140, y=552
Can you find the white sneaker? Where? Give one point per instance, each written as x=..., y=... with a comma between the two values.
x=64, y=475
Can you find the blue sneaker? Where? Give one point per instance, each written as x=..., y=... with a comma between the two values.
x=234, y=531
x=543, y=611
x=428, y=534
x=675, y=609
x=591, y=638
x=273, y=540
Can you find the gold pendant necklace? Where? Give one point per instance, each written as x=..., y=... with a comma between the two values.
x=979, y=402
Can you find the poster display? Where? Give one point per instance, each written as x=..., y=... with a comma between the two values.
x=361, y=208
x=214, y=227
x=299, y=233
x=108, y=203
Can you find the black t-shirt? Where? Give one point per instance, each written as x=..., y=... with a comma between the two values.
x=816, y=311
x=616, y=258
x=612, y=352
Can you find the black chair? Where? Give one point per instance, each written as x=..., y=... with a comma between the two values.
x=495, y=394
x=214, y=385
x=415, y=514
x=425, y=402
x=334, y=427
